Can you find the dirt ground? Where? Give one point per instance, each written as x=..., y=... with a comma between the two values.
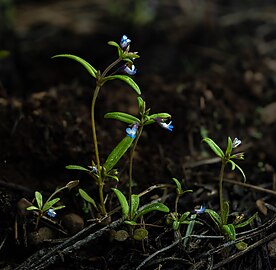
x=210, y=65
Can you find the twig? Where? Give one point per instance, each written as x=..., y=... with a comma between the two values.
x=251, y=247
x=143, y=263
x=43, y=258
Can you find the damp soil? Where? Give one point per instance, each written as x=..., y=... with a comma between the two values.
x=214, y=72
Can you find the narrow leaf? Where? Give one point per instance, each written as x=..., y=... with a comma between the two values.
x=117, y=153
x=123, y=202
x=32, y=208
x=135, y=200
x=123, y=117
x=87, y=198
x=126, y=79
x=216, y=149
x=151, y=118
x=91, y=70
x=184, y=216
x=246, y=222
x=59, y=207
x=77, y=167
x=152, y=207
x=229, y=146
x=178, y=186
x=214, y=216
x=229, y=229
x=130, y=222
x=225, y=212
x=234, y=166
x=49, y=204
x=39, y=200
x=175, y=225
x=189, y=230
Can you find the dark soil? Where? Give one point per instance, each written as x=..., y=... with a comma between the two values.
x=211, y=66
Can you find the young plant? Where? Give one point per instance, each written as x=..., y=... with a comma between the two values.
x=187, y=218
x=134, y=131
x=131, y=212
x=49, y=205
x=99, y=172
x=221, y=219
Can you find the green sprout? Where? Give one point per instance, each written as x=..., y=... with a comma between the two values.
x=49, y=205
x=132, y=212
x=221, y=220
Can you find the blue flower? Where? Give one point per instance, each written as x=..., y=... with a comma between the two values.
x=125, y=41
x=51, y=213
x=200, y=210
x=129, y=70
x=131, y=132
x=236, y=143
x=164, y=125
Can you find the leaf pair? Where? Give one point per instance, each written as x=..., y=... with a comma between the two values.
x=132, y=213
x=93, y=72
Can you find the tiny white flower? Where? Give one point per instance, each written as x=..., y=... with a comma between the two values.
x=236, y=143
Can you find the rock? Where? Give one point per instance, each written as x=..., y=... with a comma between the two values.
x=37, y=237
x=73, y=223
x=268, y=114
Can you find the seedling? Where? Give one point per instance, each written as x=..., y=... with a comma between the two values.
x=221, y=219
x=131, y=213
x=49, y=205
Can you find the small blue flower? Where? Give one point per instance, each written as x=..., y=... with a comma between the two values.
x=93, y=169
x=125, y=41
x=51, y=213
x=131, y=132
x=164, y=125
x=129, y=70
x=236, y=143
x=200, y=210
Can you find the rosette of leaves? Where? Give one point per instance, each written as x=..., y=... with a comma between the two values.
x=131, y=213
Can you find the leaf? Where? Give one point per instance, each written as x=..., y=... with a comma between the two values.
x=189, y=230
x=87, y=198
x=229, y=229
x=117, y=153
x=77, y=167
x=216, y=149
x=176, y=225
x=91, y=70
x=225, y=212
x=32, y=208
x=115, y=44
x=152, y=207
x=39, y=200
x=184, y=216
x=135, y=200
x=239, y=168
x=178, y=186
x=123, y=202
x=141, y=105
x=123, y=117
x=130, y=222
x=214, y=216
x=59, y=207
x=49, y=204
x=126, y=79
x=246, y=222
x=151, y=118
x=229, y=146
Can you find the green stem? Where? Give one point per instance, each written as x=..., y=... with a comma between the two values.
x=100, y=82
x=176, y=203
x=131, y=163
x=220, y=187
